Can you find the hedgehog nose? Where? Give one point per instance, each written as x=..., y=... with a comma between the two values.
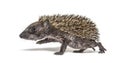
x=21, y=35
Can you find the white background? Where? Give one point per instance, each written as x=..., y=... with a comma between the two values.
x=16, y=15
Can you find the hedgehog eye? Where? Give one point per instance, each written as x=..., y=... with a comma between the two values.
x=32, y=30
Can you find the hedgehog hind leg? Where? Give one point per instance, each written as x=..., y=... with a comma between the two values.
x=101, y=48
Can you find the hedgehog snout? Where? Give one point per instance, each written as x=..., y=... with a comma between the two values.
x=23, y=35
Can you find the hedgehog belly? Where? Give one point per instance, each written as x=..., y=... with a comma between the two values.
x=75, y=42
x=75, y=45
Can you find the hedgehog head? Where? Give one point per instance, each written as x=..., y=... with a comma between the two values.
x=36, y=30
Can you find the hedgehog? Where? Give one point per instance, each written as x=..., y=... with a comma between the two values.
x=75, y=31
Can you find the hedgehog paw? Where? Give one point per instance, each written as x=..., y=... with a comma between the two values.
x=58, y=53
x=102, y=50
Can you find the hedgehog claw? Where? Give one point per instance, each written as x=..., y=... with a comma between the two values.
x=102, y=50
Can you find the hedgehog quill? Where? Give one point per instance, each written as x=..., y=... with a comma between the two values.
x=75, y=31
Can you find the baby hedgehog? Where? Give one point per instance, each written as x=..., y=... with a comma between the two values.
x=75, y=31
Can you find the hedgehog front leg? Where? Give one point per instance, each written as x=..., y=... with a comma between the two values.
x=47, y=40
x=63, y=47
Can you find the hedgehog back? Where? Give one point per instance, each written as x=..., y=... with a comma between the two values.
x=74, y=24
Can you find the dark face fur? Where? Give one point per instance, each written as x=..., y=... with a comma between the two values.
x=35, y=31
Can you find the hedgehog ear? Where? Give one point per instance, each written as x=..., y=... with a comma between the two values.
x=46, y=23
